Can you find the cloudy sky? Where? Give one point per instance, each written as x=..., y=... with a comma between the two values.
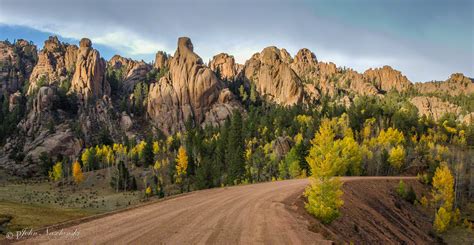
x=425, y=39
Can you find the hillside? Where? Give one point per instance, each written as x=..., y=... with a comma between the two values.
x=81, y=135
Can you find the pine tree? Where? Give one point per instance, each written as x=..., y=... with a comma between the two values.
x=148, y=152
x=235, y=150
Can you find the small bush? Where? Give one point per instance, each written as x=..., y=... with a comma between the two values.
x=401, y=188
x=409, y=196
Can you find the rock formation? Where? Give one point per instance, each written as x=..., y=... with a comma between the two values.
x=89, y=79
x=305, y=64
x=322, y=78
x=224, y=65
x=56, y=63
x=386, y=79
x=131, y=71
x=189, y=91
x=457, y=84
x=433, y=107
x=270, y=71
x=161, y=60
x=16, y=64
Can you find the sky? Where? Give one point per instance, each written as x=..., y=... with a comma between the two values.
x=425, y=39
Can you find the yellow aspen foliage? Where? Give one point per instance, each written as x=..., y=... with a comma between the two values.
x=140, y=149
x=396, y=157
x=390, y=137
x=57, y=172
x=324, y=199
x=424, y=202
x=352, y=155
x=156, y=147
x=449, y=129
x=181, y=164
x=367, y=130
x=442, y=219
x=326, y=159
x=148, y=191
x=456, y=216
x=169, y=141
x=110, y=157
x=303, y=119
x=298, y=138
x=77, y=172
x=414, y=138
x=85, y=157
x=443, y=187
x=157, y=165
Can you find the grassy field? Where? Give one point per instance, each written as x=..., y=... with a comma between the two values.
x=38, y=203
x=17, y=216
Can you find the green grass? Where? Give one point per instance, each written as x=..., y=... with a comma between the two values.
x=36, y=216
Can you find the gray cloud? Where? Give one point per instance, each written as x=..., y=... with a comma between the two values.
x=239, y=28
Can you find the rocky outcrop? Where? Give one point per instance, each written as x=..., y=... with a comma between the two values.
x=387, y=78
x=457, y=84
x=16, y=64
x=89, y=79
x=161, y=60
x=56, y=63
x=14, y=100
x=189, y=91
x=132, y=72
x=305, y=64
x=225, y=67
x=273, y=77
x=434, y=107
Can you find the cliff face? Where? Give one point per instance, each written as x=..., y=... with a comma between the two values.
x=455, y=85
x=387, y=78
x=89, y=76
x=56, y=63
x=224, y=65
x=189, y=91
x=161, y=60
x=433, y=107
x=132, y=71
x=273, y=77
x=16, y=65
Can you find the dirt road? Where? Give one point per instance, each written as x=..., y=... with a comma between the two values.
x=251, y=214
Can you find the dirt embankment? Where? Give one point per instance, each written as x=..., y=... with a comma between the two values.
x=266, y=213
x=374, y=214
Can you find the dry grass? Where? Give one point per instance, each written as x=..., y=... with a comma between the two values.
x=26, y=216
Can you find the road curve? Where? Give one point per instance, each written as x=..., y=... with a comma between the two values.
x=249, y=214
